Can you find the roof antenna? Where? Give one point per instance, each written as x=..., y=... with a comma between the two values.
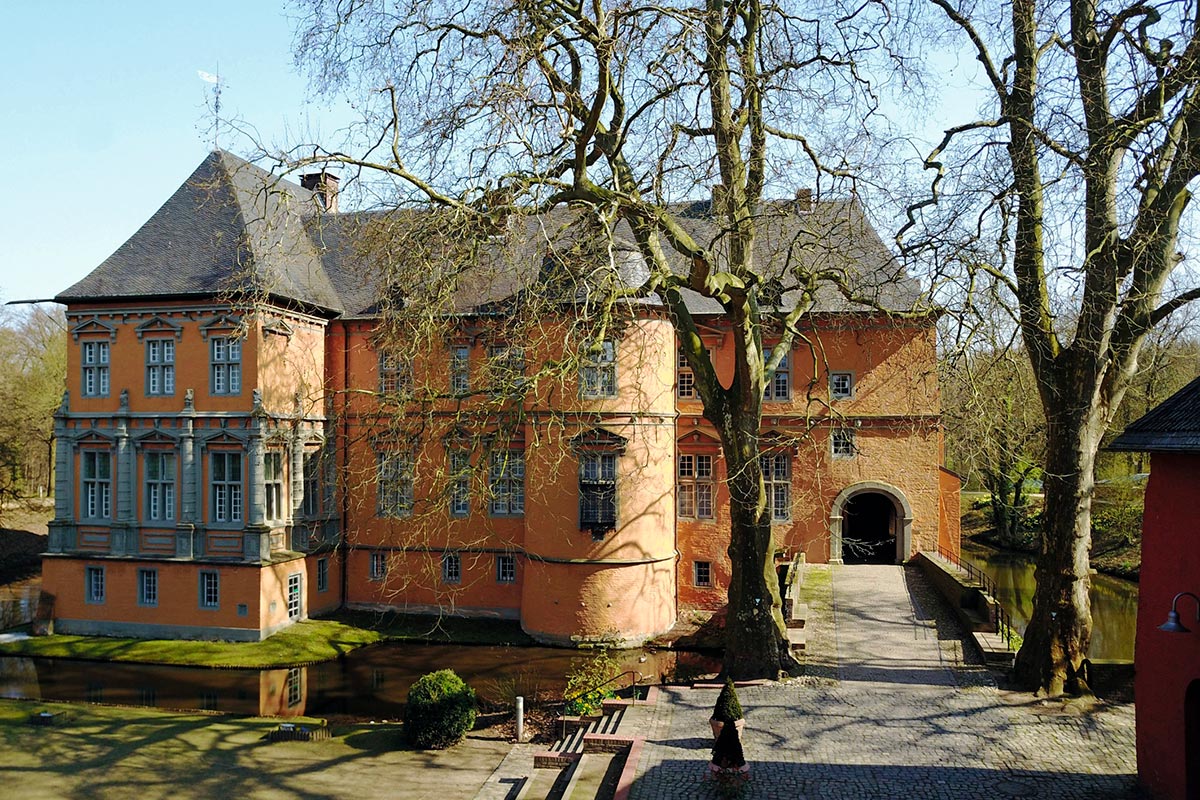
x=215, y=80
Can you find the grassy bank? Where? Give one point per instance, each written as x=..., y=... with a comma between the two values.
x=303, y=643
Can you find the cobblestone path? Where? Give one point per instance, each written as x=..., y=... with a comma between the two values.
x=904, y=717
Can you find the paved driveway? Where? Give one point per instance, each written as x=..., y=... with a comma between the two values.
x=890, y=709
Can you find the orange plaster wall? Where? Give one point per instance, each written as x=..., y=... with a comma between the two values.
x=291, y=365
x=950, y=510
x=414, y=579
x=330, y=599
x=178, y=593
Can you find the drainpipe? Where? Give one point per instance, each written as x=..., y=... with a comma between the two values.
x=343, y=457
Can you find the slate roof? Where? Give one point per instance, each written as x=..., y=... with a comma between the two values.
x=1172, y=425
x=233, y=226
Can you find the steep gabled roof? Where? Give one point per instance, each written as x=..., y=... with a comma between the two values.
x=230, y=226
x=234, y=227
x=1172, y=425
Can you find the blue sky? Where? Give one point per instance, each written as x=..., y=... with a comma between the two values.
x=105, y=115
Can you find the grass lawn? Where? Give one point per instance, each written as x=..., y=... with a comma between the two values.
x=116, y=752
x=302, y=643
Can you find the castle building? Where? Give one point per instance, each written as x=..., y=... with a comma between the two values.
x=229, y=458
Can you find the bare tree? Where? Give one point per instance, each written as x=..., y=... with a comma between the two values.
x=1088, y=161
x=494, y=111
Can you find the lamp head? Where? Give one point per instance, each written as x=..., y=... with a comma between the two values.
x=1173, y=625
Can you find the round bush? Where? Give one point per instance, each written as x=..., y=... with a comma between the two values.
x=440, y=711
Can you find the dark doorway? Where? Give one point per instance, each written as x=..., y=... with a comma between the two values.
x=1191, y=739
x=869, y=530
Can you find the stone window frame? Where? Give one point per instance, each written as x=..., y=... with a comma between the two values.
x=506, y=482
x=147, y=587
x=692, y=480
x=274, y=466
x=459, y=476
x=685, y=375
x=777, y=479
x=702, y=574
x=94, y=585
x=843, y=443
x=95, y=359
x=159, y=485
x=395, y=482
x=225, y=366
x=209, y=589
x=160, y=366
x=312, y=478
x=227, y=503
x=460, y=369
x=598, y=372
x=395, y=374
x=779, y=390
x=845, y=392
x=597, y=489
x=95, y=484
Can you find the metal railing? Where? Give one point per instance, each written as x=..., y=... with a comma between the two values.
x=1004, y=626
x=567, y=699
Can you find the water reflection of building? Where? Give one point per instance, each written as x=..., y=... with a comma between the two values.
x=1167, y=681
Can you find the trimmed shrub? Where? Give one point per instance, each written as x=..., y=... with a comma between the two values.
x=727, y=752
x=440, y=711
x=728, y=708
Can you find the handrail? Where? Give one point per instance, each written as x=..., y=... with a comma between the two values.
x=577, y=695
x=1004, y=626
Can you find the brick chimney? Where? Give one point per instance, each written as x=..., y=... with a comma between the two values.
x=325, y=186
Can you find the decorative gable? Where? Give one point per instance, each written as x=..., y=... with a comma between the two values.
x=157, y=325
x=221, y=324
x=599, y=439
x=279, y=327
x=93, y=326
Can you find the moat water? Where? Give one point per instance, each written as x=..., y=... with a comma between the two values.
x=1114, y=600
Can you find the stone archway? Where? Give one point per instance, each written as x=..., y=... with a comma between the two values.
x=900, y=520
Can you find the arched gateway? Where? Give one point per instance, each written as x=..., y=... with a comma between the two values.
x=870, y=523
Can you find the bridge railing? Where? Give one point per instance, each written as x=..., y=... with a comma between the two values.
x=1004, y=624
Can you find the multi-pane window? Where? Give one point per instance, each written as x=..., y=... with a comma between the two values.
x=451, y=568
x=160, y=367
x=685, y=378
x=293, y=596
x=460, y=369
x=395, y=485
x=506, y=365
x=147, y=587
x=841, y=443
x=841, y=385
x=777, y=477
x=96, y=495
x=160, y=486
x=780, y=385
x=598, y=492
x=694, y=488
x=506, y=482
x=702, y=573
x=460, y=483
x=322, y=574
x=95, y=369
x=210, y=589
x=598, y=375
x=226, y=487
x=94, y=584
x=273, y=484
x=395, y=374
x=226, y=365
x=313, y=465
x=506, y=568
x=379, y=566
x=295, y=686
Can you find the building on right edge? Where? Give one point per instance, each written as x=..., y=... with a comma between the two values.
x=1167, y=656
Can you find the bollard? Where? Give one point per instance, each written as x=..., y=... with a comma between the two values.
x=520, y=719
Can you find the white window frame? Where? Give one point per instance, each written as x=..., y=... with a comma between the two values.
x=395, y=374
x=94, y=584
x=506, y=482
x=460, y=369
x=94, y=359
x=225, y=487
x=685, y=376
x=148, y=587
x=160, y=367
x=460, y=483
x=95, y=484
x=842, y=443
x=506, y=568
x=225, y=374
x=779, y=390
x=159, y=467
x=210, y=589
x=598, y=373
x=295, y=595
x=695, y=486
x=777, y=480
x=273, y=462
x=452, y=568
x=841, y=385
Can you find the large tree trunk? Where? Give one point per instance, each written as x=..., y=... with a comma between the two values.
x=1060, y=627
x=755, y=640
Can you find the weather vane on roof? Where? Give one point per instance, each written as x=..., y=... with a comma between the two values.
x=215, y=80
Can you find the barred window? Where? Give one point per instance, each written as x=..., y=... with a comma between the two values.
x=694, y=488
x=226, y=365
x=777, y=478
x=451, y=568
x=210, y=589
x=598, y=375
x=160, y=486
x=96, y=486
x=226, y=487
x=160, y=367
x=395, y=485
x=506, y=568
x=506, y=482
x=95, y=369
x=598, y=492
